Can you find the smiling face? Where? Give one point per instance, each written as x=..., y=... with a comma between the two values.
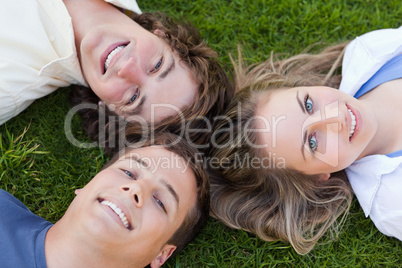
x=131, y=69
x=130, y=209
x=317, y=130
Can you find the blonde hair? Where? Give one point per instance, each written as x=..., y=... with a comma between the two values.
x=275, y=203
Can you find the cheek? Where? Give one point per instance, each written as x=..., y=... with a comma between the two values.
x=88, y=57
x=328, y=149
x=149, y=48
x=155, y=225
x=110, y=94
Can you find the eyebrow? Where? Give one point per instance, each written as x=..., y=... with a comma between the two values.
x=305, y=132
x=300, y=102
x=139, y=161
x=166, y=184
x=168, y=70
x=172, y=192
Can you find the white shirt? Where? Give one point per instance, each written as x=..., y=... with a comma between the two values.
x=37, y=51
x=375, y=179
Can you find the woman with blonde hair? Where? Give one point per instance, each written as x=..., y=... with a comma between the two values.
x=290, y=137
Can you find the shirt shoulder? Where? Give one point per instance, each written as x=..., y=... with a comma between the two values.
x=21, y=231
x=7, y=199
x=366, y=54
x=376, y=181
x=126, y=4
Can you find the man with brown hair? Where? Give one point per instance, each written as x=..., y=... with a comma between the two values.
x=138, y=210
x=143, y=64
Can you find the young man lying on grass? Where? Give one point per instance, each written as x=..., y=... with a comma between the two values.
x=135, y=212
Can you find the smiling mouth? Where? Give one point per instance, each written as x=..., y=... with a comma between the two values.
x=111, y=55
x=118, y=212
x=353, y=124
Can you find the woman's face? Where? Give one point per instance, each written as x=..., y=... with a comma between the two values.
x=135, y=72
x=316, y=130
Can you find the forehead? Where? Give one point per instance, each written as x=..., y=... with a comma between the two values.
x=277, y=110
x=279, y=120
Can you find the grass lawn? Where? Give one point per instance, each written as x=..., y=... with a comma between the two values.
x=42, y=168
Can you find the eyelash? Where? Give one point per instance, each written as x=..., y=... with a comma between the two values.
x=312, y=138
x=308, y=101
x=133, y=98
x=157, y=66
x=131, y=175
x=158, y=202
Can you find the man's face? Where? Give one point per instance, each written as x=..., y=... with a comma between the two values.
x=132, y=208
x=131, y=69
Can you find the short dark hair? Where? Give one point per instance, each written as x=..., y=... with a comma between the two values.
x=216, y=89
x=197, y=217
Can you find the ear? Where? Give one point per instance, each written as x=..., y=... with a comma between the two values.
x=324, y=176
x=159, y=33
x=165, y=253
x=77, y=191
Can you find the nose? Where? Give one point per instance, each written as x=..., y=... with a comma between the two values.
x=333, y=117
x=138, y=191
x=329, y=119
x=335, y=125
x=130, y=71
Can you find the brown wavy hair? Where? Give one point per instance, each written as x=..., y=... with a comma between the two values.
x=272, y=202
x=216, y=89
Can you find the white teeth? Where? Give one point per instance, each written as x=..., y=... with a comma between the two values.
x=353, y=124
x=118, y=211
x=111, y=55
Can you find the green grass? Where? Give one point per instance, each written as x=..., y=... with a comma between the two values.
x=42, y=168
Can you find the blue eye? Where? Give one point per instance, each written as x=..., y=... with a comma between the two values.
x=160, y=204
x=133, y=98
x=131, y=175
x=308, y=104
x=312, y=143
x=158, y=65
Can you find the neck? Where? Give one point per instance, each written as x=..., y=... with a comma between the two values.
x=65, y=249
x=384, y=102
x=62, y=251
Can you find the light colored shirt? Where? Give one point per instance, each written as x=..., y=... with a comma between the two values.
x=376, y=179
x=37, y=51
